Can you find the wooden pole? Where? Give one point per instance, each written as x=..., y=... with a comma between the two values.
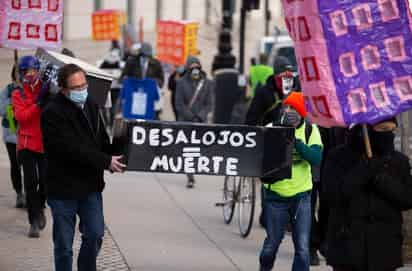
x=367, y=141
x=16, y=69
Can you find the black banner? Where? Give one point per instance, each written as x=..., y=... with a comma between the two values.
x=235, y=150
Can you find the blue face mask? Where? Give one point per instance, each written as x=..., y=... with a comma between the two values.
x=78, y=97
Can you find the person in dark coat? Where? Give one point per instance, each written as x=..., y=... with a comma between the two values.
x=366, y=198
x=141, y=64
x=78, y=151
x=266, y=103
x=172, y=85
x=331, y=138
x=194, y=98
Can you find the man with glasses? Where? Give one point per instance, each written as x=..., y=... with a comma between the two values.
x=78, y=150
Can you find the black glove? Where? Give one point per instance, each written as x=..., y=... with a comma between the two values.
x=44, y=94
x=196, y=118
x=377, y=165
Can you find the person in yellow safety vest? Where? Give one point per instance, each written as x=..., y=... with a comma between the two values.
x=259, y=73
x=289, y=200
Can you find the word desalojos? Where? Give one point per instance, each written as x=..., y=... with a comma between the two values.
x=191, y=160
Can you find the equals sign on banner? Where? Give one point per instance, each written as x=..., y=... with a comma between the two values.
x=191, y=152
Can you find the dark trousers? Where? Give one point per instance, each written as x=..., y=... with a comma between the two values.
x=319, y=218
x=90, y=212
x=15, y=170
x=34, y=168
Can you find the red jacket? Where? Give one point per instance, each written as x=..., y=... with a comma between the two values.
x=27, y=114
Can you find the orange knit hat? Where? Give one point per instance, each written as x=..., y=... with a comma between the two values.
x=295, y=100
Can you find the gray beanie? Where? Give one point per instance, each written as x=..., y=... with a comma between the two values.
x=192, y=60
x=146, y=49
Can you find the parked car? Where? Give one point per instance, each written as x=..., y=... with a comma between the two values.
x=282, y=46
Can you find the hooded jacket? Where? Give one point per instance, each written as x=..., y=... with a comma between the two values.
x=366, y=200
x=27, y=114
x=185, y=90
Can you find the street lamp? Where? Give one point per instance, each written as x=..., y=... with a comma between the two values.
x=247, y=5
x=224, y=58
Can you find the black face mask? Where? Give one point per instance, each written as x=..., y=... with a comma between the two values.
x=382, y=143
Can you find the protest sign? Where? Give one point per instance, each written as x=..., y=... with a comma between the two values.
x=355, y=58
x=28, y=24
x=107, y=24
x=98, y=80
x=138, y=98
x=234, y=150
x=176, y=40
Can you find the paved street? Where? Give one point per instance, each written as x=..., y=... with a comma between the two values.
x=155, y=221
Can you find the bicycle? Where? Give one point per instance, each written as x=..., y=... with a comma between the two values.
x=240, y=191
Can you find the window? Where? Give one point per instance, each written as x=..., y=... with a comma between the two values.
x=363, y=16
x=304, y=32
x=357, y=101
x=290, y=25
x=34, y=3
x=16, y=4
x=379, y=94
x=321, y=105
x=14, y=31
x=339, y=22
x=33, y=31
x=53, y=5
x=348, y=65
x=403, y=86
x=395, y=48
x=311, y=68
x=51, y=32
x=370, y=57
x=389, y=10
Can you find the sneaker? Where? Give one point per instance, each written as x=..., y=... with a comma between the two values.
x=20, y=201
x=190, y=183
x=42, y=220
x=314, y=258
x=34, y=231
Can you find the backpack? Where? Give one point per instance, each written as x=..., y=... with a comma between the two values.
x=8, y=120
x=314, y=169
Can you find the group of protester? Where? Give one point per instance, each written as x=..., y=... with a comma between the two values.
x=62, y=145
x=338, y=201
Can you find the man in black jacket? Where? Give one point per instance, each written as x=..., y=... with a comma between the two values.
x=77, y=148
x=267, y=101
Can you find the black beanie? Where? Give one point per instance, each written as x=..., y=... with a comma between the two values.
x=282, y=64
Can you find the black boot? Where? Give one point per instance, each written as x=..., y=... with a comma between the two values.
x=190, y=181
x=314, y=258
x=20, y=201
x=34, y=231
x=42, y=220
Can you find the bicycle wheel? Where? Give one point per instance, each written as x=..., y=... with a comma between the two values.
x=247, y=196
x=229, y=190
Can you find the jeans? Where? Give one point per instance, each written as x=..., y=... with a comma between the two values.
x=277, y=215
x=34, y=167
x=90, y=212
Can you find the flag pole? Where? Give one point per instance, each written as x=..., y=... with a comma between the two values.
x=367, y=141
